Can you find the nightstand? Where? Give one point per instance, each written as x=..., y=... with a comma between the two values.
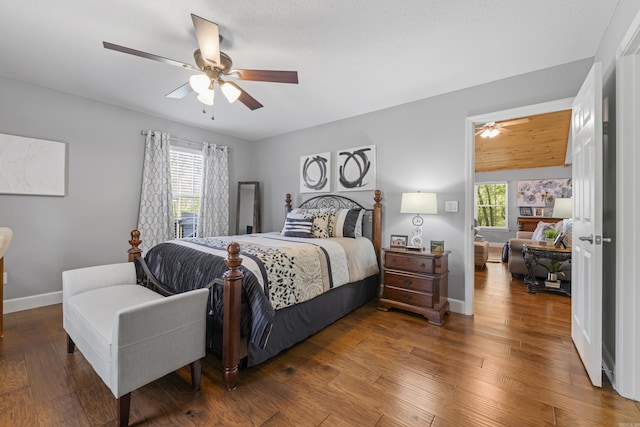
x=415, y=281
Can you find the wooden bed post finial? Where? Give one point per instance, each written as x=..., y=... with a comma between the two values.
x=231, y=340
x=134, y=251
x=377, y=224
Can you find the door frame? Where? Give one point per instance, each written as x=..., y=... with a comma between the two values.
x=626, y=373
x=470, y=123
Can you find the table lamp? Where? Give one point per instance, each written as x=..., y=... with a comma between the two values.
x=563, y=208
x=418, y=203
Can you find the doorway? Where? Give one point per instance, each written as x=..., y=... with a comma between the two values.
x=471, y=122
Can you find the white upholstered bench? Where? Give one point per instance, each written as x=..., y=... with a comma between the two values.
x=129, y=334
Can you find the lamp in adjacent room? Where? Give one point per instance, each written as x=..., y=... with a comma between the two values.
x=563, y=208
x=418, y=203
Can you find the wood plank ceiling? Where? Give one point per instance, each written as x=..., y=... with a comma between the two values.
x=540, y=142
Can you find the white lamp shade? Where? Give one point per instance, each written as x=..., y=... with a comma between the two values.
x=206, y=97
x=563, y=208
x=419, y=203
x=199, y=82
x=231, y=92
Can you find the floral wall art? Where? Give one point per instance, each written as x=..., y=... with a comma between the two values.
x=542, y=193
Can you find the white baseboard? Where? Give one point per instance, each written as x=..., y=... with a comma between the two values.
x=42, y=300
x=35, y=301
x=456, y=306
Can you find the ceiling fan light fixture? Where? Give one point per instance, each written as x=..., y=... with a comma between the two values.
x=490, y=132
x=206, y=97
x=199, y=82
x=231, y=92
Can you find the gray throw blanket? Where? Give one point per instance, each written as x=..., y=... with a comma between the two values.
x=182, y=269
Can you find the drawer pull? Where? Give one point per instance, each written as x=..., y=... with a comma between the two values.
x=422, y=265
x=407, y=281
x=407, y=296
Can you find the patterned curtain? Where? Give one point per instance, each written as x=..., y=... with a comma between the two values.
x=214, y=201
x=155, y=218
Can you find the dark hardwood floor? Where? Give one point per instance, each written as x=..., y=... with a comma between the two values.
x=512, y=364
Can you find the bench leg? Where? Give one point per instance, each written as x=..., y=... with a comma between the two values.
x=124, y=403
x=196, y=373
x=71, y=346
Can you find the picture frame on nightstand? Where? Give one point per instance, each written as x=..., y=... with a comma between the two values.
x=399, y=241
x=437, y=246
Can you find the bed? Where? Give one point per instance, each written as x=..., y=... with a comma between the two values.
x=251, y=317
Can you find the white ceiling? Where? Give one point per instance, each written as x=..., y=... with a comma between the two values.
x=352, y=57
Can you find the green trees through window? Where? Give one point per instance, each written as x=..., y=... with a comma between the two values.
x=491, y=204
x=186, y=185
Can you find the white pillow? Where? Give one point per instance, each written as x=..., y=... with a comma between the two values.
x=538, y=234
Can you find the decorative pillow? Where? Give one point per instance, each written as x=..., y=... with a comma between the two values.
x=349, y=223
x=320, y=227
x=321, y=219
x=538, y=234
x=567, y=229
x=297, y=225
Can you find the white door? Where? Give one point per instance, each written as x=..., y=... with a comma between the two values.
x=586, y=269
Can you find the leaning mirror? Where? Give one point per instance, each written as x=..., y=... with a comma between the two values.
x=248, y=212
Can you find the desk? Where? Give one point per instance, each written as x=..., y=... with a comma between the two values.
x=532, y=254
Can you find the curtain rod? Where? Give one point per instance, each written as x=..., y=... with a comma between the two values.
x=185, y=141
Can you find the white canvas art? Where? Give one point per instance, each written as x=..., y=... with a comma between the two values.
x=32, y=166
x=315, y=173
x=356, y=169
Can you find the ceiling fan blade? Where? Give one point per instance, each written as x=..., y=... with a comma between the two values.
x=146, y=55
x=180, y=92
x=513, y=122
x=245, y=98
x=267, y=76
x=208, y=38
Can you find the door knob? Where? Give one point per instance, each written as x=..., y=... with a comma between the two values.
x=588, y=238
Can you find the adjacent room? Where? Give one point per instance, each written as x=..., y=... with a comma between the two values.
x=319, y=213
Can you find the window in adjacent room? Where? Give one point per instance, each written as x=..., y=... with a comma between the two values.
x=491, y=204
x=186, y=183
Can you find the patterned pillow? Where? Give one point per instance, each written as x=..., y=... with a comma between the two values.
x=321, y=220
x=297, y=225
x=320, y=227
x=567, y=229
x=349, y=223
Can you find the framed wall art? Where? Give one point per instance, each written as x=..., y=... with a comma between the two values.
x=526, y=211
x=32, y=166
x=315, y=173
x=542, y=192
x=356, y=169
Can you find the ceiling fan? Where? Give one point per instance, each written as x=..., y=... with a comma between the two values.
x=213, y=66
x=493, y=129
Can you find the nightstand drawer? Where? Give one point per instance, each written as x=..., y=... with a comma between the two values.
x=417, y=264
x=408, y=281
x=408, y=297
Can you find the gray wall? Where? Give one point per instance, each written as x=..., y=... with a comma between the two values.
x=512, y=176
x=420, y=146
x=91, y=224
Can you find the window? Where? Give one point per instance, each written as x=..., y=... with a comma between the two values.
x=491, y=204
x=186, y=183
